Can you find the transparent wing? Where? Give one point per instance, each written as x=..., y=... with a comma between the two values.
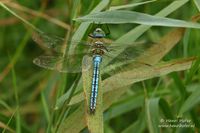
x=73, y=63
x=129, y=52
x=69, y=64
x=57, y=44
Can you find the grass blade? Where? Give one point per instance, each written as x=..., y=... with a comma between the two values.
x=190, y=102
x=124, y=106
x=45, y=106
x=197, y=3
x=121, y=17
x=152, y=112
x=138, y=126
x=130, y=5
x=193, y=70
x=18, y=118
x=18, y=16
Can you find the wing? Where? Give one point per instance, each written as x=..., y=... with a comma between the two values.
x=57, y=44
x=69, y=64
x=127, y=52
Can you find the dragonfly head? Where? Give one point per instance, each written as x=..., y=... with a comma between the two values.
x=98, y=33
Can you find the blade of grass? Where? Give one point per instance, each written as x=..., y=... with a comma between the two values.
x=185, y=42
x=190, y=102
x=166, y=109
x=21, y=45
x=121, y=17
x=180, y=86
x=45, y=107
x=7, y=125
x=18, y=117
x=18, y=16
x=125, y=105
x=138, y=126
x=5, y=105
x=75, y=122
x=197, y=3
x=36, y=13
x=192, y=71
x=131, y=5
x=152, y=112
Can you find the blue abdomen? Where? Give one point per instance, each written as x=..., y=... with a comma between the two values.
x=95, y=82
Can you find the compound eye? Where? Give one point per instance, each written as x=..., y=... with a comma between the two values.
x=98, y=30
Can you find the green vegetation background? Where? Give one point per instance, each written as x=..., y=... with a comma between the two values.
x=29, y=94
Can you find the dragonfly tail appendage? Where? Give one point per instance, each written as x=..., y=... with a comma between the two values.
x=95, y=83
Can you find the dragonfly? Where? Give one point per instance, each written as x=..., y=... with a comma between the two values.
x=97, y=49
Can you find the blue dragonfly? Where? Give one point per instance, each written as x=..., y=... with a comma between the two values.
x=98, y=49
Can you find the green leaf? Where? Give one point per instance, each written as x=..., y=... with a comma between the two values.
x=120, y=17
x=18, y=115
x=166, y=109
x=125, y=105
x=75, y=122
x=197, y=3
x=190, y=102
x=152, y=112
x=195, y=67
x=130, y=5
x=45, y=107
x=138, y=126
x=19, y=17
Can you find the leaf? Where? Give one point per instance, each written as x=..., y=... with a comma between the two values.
x=94, y=120
x=75, y=122
x=121, y=17
x=19, y=17
x=125, y=105
x=153, y=115
x=152, y=112
x=197, y=3
x=166, y=109
x=130, y=5
x=190, y=102
x=138, y=126
x=195, y=67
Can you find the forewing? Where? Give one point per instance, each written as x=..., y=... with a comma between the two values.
x=69, y=64
x=58, y=44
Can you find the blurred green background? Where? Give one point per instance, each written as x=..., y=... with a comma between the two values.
x=28, y=94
